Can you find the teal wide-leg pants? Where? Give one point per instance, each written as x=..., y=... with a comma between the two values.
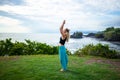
x=63, y=57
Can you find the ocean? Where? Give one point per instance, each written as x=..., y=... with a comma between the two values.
x=53, y=39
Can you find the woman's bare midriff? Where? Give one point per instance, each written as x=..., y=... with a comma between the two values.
x=61, y=45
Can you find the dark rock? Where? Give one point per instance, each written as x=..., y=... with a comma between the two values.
x=76, y=35
x=90, y=35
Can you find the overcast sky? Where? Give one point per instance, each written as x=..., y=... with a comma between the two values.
x=37, y=16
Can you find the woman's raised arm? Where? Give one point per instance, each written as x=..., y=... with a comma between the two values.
x=61, y=28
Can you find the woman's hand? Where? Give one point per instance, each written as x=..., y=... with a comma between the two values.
x=64, y=22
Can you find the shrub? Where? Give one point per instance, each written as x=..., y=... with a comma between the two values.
x=68, y=52
x=97, y=50
x=109, y=29
x=25, y=48
x=110, y=34
x=5, y=46
x=17, y=49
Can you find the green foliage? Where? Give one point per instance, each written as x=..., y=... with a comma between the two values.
x=18, y=48
x=68, y=52
x=97, y=50
x=110, y=34
x=99, y=35
x=109, y=29
x=7, y=47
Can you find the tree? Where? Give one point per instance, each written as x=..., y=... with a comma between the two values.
x=109, y=29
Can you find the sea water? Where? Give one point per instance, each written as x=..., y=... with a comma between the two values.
x=53, y=39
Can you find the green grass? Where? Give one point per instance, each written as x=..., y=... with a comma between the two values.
x=46, y=67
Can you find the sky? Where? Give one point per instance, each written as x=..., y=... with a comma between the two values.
x=46, y=16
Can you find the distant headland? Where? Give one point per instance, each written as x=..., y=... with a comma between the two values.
x=109, y=34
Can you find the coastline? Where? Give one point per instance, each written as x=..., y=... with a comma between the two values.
x=113, y=42
x=53, y=39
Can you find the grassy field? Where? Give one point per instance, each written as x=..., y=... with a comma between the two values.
x=46, y=67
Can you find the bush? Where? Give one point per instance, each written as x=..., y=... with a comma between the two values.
x=99, y=35
x=68, y=52
x=17, y=49
x=109, y=29
x=7, y=47
x=110, y=34
x=97, y=50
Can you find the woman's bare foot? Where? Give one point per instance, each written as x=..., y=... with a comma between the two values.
x=62, y=70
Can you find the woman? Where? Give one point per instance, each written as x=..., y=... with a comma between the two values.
x=62, y=50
